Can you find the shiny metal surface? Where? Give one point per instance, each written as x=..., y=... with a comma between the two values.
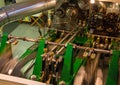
x=3, y=16
x=116, y=1
x=99, y=79
x=19, y=10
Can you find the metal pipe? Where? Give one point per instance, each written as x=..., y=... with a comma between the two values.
x=65, y=31
x=63, y=39
x=96, y=62
x=80, y=76
x=68, y=42
x=99, y=79
x=58, y=43
x=63, y=45
x=19, y=10
x=94, y=49
x=102, y=36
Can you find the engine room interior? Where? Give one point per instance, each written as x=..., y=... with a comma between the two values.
x=60, y=42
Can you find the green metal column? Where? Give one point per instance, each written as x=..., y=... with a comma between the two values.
x=113, y=69
x=3, y=42
x=38, y=63
x=77, y=65
x=67, y=70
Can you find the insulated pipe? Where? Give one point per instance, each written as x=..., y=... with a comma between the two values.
x=27, y=8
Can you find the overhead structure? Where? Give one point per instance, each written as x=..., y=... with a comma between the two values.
x=19, y=10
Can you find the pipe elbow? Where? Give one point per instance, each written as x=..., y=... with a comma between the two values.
x=3, y=16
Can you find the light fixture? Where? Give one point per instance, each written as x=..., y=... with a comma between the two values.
x=117, y=4
x=92, y=1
